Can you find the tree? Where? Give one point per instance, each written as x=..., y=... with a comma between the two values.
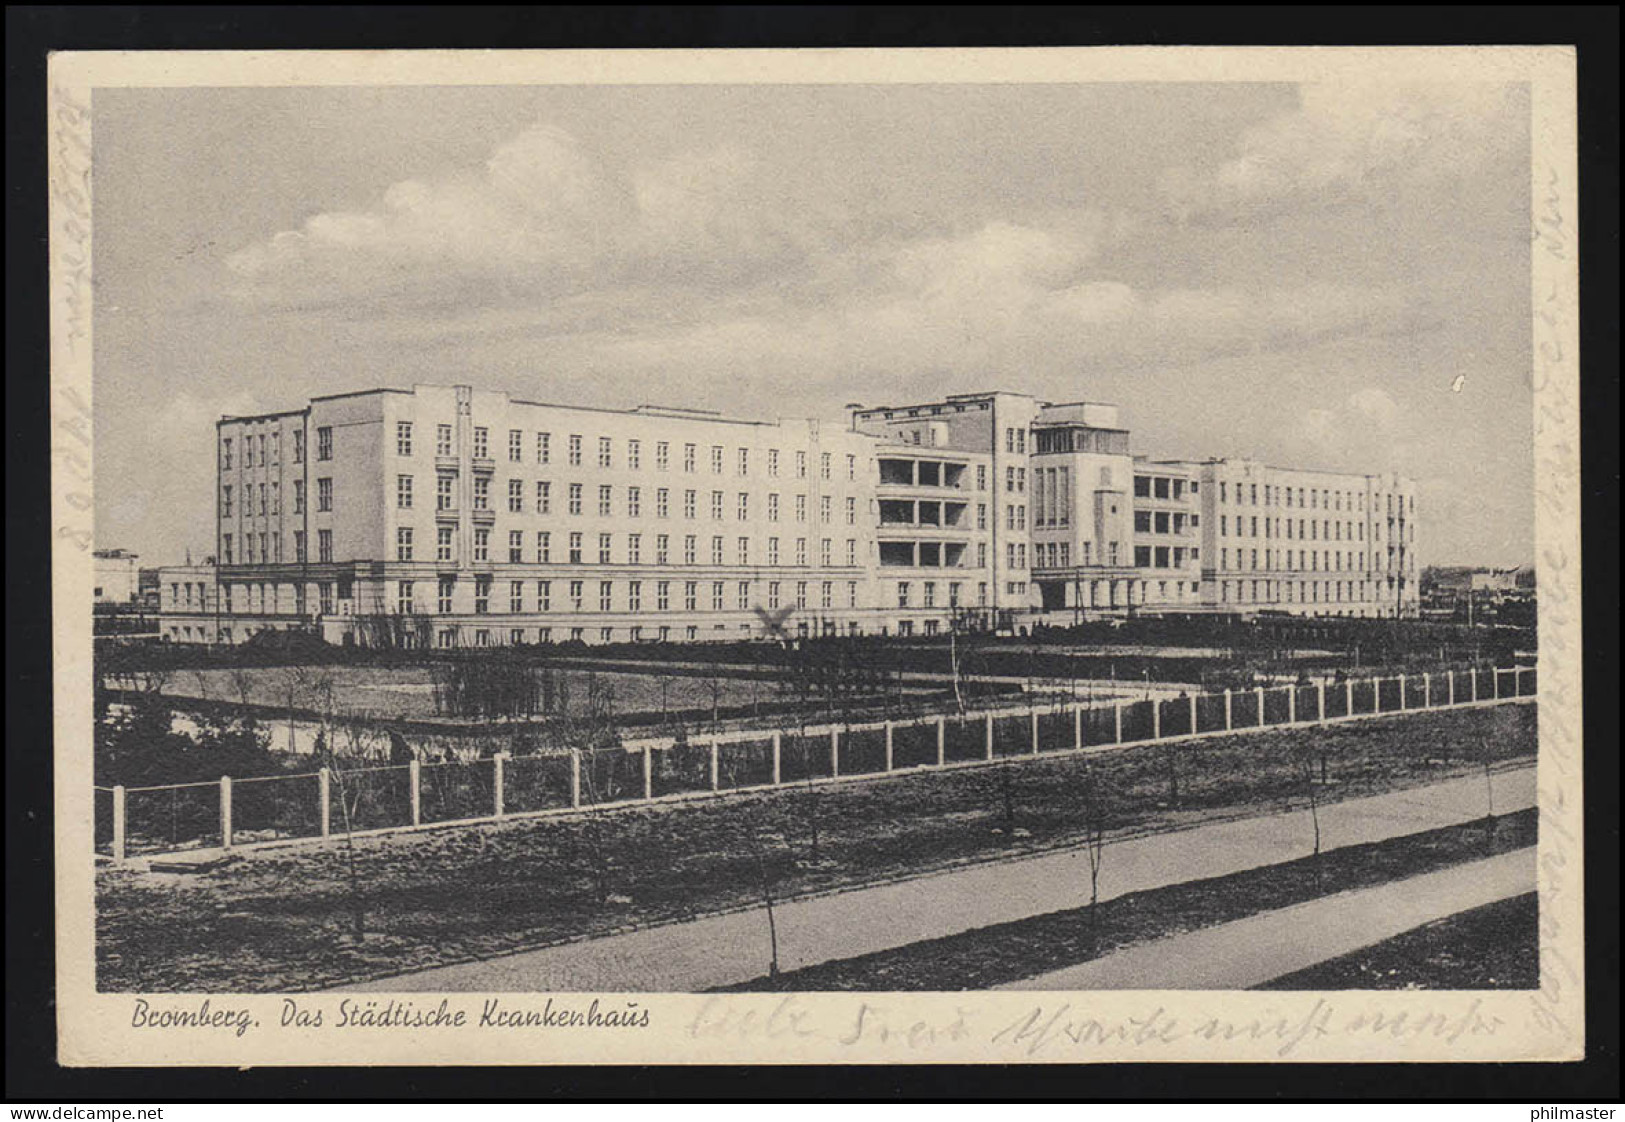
x=749, y=828
x=1303, y=763
x=1092, y=808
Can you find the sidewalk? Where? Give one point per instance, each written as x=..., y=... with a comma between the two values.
x=1261, y=948
x=727, y=949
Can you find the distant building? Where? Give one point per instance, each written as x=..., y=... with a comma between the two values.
x=448, y=516
x=117, y=578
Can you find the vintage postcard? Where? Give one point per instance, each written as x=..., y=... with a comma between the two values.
x=1018, y=556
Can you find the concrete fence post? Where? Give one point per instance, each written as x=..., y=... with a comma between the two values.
x=1472, y=680
x=1227, y=711
x=648, y=772
x=118, y=824
x=777, y=756
x=1517, y=681
x=1402, y=693
x=1348, y=697
x=1193, y=714
x=1495, y=683
x=987, y=736
x=575, y=779
x=414, y=778
x=942, y=741
x=1450, y=683
x=1427, y=690
x=1077, y=726
x=1260, y=693
x=1035, y=731
x=498, y=776
x=1292, y=705
x=888, y=746
x=1118, y=722
x=834, y=752
x=716, y=764
x=225, y=812
x=324, y=800
x=1156, y=719
x=1376, y=695
x=1320, y=702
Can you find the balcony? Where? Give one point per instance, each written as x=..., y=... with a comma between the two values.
x=483, y=464
x=483, y=517
x=447, y=514
x=449, y=464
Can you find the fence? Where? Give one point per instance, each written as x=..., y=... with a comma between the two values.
x=139, y=821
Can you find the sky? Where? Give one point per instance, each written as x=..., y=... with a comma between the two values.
x=1320, y=276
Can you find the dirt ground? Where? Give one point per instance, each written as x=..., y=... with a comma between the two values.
x=287, y=919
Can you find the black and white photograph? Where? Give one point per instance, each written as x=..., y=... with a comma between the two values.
x=721, y=559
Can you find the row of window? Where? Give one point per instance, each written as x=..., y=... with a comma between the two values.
x=1313, y=529
x=537, y=596
x=1312, y=498
x=542, y=443
x=1309, y=561
x=1165, y=522
x=523, y=500
x=270, y=498
x=258, y=453
x=574, y=552
x=265, y=548
x=1163, y=487
x=1299, y=592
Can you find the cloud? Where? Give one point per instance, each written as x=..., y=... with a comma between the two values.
x=1353, y=143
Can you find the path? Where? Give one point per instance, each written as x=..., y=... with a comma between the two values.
x=1261, y=948
x=725, y=949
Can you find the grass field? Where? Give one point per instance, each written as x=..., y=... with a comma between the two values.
x=407, y=692
x=1494, y=947
x=285, y=919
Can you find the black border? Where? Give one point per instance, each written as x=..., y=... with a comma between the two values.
x=33, y=31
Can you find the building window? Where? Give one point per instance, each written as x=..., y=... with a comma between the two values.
x=403, y=543
x=716, y=549
x=801, y=465
x=324, y=494
x=801, y=594
x=544, y=547
x=688, y=458
x=605, y=456
x=744, y=506
x=690, y=544
x=544, y=497
x=605, y=500
x=772, y=506
x=603, y=549
x=902, y=594
x=516, y=446
x=826, y=594
x=716, y=459
x=443, y=544
x=516, y=596
x=823, y=508
x=575, y=498
x=482, y=543
x=516, y=496
x=744, y=595
x=801, y=508
x=276, y=497
x=773, y=594
x=448, y=585
x=663, y=596
x=225, y=453
x=744, y=461
x=823, y=465
x=634, y=454
x=442, y=440
x=403, y=438
x=772, y=463
x=634, y=549
x=801, y=551
x=716, y=506
x=516, y=546
x=772, y=551
x=851, y=467
x=691, y=590
x=544, y=596
x=324, y=545
x=575, y=449
x=324, y=443
x=442, y=492
x=544, y=447
x=743, y=551
x=851, y=551
x=824, y=552
x=482, y=493
x=662, y=548
x=634, y=502
x=851, y=512
x=403, y=492
x=482, y=596
x=605, y=595
x=662, y=455
x=634, y=596
x=225, y=501
x=689, y=504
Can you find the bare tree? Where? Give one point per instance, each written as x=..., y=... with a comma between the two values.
x=1303, y=762
x=749, y=828
x=1092, y=813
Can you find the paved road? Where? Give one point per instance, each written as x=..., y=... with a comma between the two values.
x=1261, y=948
x=725, y=949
